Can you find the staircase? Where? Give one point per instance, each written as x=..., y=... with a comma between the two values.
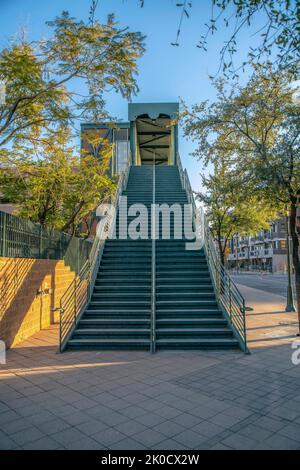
x=118, y=315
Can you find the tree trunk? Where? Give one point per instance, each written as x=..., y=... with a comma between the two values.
x=221, y=252
x=295, y=253
x=70, y=223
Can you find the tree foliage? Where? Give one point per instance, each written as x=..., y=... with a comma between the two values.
x=39, y=76
x=51, y=184
x=256, y=128
x=231, y=207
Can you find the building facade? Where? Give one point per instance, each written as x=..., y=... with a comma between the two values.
x=264, y=251
x=149, y=136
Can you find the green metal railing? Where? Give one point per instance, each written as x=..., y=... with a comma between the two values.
x=153, y=269
x=21, y=238
x=228, y=295
x=77, y=296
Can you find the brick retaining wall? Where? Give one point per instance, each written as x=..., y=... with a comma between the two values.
x=29, y=289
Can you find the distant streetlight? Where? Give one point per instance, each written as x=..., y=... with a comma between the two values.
x=290, y=307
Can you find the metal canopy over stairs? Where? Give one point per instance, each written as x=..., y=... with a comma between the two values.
x=153, y=294
x=154, y=139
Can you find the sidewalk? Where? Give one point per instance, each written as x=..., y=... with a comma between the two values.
x=169, y=400
x=268, y=324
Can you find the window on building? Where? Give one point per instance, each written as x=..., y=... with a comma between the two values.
x=121, y=149
x=283, y=244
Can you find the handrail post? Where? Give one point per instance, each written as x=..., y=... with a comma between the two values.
x=4, y=246
x=230, y=300
x=41, y=242
x=75, y=301
x=153, y=271
x=244, y=326
x=153, y=312
x=60, y=326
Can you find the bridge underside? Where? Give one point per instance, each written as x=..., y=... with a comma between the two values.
x=155, y=140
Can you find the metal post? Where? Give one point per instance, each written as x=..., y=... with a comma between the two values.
x=41, y=242
x=75, y=301
x=4, y=250
x=230, y=305
x=244, y=327
x=60, y=327
x=290, y=307
x=153, y=268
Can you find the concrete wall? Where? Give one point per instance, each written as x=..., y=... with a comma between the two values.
x=29, y=289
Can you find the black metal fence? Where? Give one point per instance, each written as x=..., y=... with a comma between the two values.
x=24, y=239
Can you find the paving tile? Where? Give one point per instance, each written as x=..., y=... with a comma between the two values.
x=130, y=427
x=86, y=443
x=224, y=420
x=76, y=418
x=108, y=437
x=168, y=412
x=16, y=425
x=150, y=420
x=149, y=437
x=237, y=441
x=203, y=412
x=8, y=416
x=168, y=444
x=127, y=444
x=208, y=429
x=190, y=439
x=69, y=435
x=169, y=428
x=187, y=420
x=91, y=427
x=255, y=432
x=280, y=442
x=292, y=431
x=41, y=417
x=133, y=411
x=27, y=435
x=6, y=443
x=270, y=423
x=219, y=446
x=45, y=443
x=113, y=418
x=286, y=413
x=53, y=426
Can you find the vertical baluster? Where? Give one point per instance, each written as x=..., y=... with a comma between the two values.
x=230, y=299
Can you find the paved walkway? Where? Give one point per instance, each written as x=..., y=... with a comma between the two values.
x=170, y=400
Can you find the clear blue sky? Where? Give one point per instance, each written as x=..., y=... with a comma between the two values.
x=166, y=73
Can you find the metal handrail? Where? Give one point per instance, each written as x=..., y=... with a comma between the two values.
x=153, y=272
x=228, y=295
x=76, y=297
x=20, y=238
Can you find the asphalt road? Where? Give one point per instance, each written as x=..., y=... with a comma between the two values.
x=273, y=283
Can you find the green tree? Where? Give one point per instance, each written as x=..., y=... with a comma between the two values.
x=51, y=184
x=231, y=208
x=39, y=76
x=257, y=128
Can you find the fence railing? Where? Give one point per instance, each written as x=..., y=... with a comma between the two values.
x=21, y=238
x=153, y=269
x=78, y=294
x=228, y=295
